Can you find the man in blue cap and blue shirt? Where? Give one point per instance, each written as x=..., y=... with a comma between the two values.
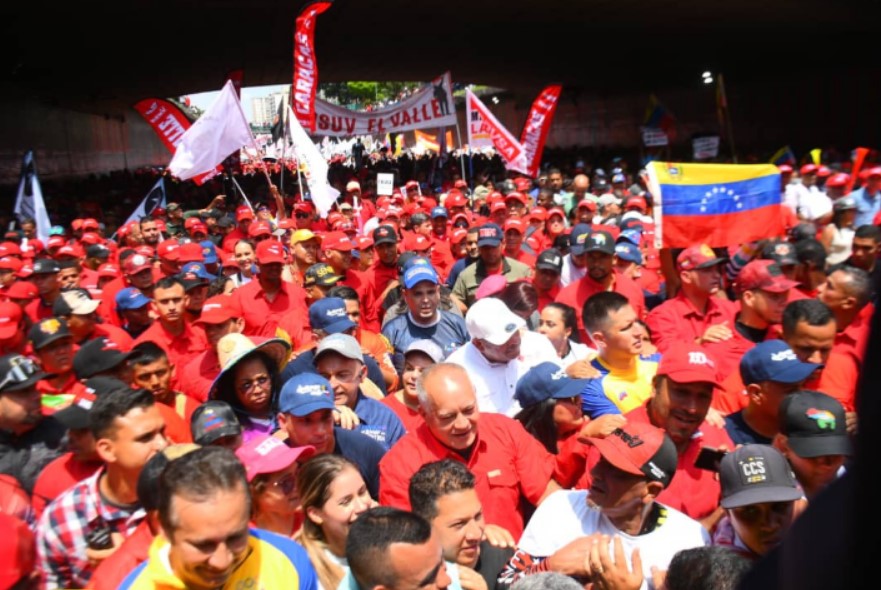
x=339, y=359
x=770, y=371
x=424, y=320
x=305, y=412
x=328, y=316
x=134, y=311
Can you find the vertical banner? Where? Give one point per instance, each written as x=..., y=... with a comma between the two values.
x=535, y=132
x=481, y=119
x=305, y=64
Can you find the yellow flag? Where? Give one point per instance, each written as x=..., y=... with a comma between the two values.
x=816, y=155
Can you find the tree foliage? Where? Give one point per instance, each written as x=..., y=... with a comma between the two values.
x=359, y=94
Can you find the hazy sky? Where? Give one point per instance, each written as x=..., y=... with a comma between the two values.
x=203, y=100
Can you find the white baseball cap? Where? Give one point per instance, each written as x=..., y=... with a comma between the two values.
x=490, y=319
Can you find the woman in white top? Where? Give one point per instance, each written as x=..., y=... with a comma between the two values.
x=332, y=495
x=559, y=323
x=244, y=257
x=837, y=237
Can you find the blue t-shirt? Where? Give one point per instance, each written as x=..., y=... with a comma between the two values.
x=364, y=452
x=378, y=421
x=458, y=267
x=741, y=433
x=305, y=363
x=449, y=332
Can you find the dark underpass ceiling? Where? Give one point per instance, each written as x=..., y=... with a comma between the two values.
x=83, y=54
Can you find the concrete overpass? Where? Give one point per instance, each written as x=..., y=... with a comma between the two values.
x=801, y=71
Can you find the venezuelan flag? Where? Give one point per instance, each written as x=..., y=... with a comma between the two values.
x=715, y=204
x=783, y=156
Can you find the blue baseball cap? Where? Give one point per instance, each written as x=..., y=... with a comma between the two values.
x=209, y=252
x=417, y=273
x=197, y=269
x=773, y=360
x=634, y=236
x=329, y=315
x=131, y=298
x=439, y=211
x=489, y=234
x=546, y=381
x=305, y=393
x=578, y=238
x=629, y=252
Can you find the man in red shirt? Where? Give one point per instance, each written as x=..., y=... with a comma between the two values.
x=510, y=465
x=221, y=315
x=180, y=340
x=546, y=279
x=514, y=231
x=682, y=390
x=847, y=292
x=45, y=278
x=695, y=314
x=383, y=275
x=137, y=271
x=266, y=301
x=304, y=253
x=168, y=252
x=244, y=217
x=79, y=310
x=763, y=291
x=599, y=246
x=337, y=247
x=12, y=328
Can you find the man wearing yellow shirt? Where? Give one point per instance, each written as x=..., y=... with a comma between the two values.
x=625, y=376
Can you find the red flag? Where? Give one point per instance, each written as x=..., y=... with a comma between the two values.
x=167, y=120
x=305, y=64
x=480, y=118
x=859, y=157
x=535, y=132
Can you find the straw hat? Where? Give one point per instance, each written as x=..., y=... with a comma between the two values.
x=232, y=348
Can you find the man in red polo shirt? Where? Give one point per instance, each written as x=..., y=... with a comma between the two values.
x=546, y=279
x=510, y=465
x=515, y=230
x=266, y=301
x=337, y=247
x=601, y=276
x=682, y=390
x=52, y=344
x=847, y=292
x=179, y=339
x=221, y=315
x=383, y=275
x=695, y=314
x=244, y=217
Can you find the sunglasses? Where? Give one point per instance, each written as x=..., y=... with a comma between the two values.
x=20, y=370
x=302, y=216
x=287, y=485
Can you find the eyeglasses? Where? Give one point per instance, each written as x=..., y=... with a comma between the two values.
x=302, y=216
x=20, y=370
x=248, y=386
x=261, y=238
x=287, y=484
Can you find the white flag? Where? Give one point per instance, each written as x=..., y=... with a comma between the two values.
x=323, y=195
x=29, y=201
x=155, y=198
x=220, y=131
x=482, y=124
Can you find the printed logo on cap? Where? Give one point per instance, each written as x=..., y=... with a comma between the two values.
x=50, y=326
x=109, y=345
x=784, y=355
x=824, y=418
x=707, y=251
x=559, y=375
x=598, y=239
x=267, y=446
x=699, y=358
x=753, y=470
x=782, y=249
x=628, y=439
x=336, y=313
x=486, y=232
x=315, y=389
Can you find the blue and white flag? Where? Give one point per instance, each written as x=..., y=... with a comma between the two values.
x=155, y=198
x=29, y=201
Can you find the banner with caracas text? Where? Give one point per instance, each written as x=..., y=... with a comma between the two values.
x=306, y=65
x=715, y=204
x=535, y=131
x=481, y=120
x=431, y=106
x=170, y=124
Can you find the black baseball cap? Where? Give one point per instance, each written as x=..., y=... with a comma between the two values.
x=814, y=424
x=384, y=234
x=783, y=253
x=18, y=373
x=44, y=266
x=47, y=331
x=753, y=474
x=320, y=274
x=214, y=420
x=98, y=356
x=600, y=241
x=76, y=415
x=550, y=259
x=489, y=234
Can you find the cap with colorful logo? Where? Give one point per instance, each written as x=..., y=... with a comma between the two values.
x=764, y=275
x=814, y=424
x=320, y=274
x=640, y=448
x=697, y=258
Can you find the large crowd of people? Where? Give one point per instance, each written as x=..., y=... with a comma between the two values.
x=498, y=383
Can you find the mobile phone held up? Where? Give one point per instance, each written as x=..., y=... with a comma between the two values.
x=708, y=458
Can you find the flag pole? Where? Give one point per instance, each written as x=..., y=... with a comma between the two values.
x=461, y=154
x=723, y=104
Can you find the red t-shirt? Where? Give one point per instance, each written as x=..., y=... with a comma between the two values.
x=410, y=418
x=199, y=374
x=59, y=475
x=678, y=320
x=181, y=349
x=507, y=462
x=262, y=316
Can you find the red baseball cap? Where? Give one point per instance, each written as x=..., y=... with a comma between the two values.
x=514, y=224
x=364, y=242
x=460, y=184
x=498, y=206
x=69, y=250
x=190, y=252
x=55, y=242
x=269, y=252
x=198, y=228
x=108, y=270
x=765, y=275
x=10, y=249
x=455, y=198
x=870, y=172
x=688, y=363
x=540, y=213
x=697, y=257
x=76, y=224
x=136, y=263
x=26, y=270
x=517, y=197
x=91, y=238
x=556, y=211
x=303, y=206
x=22, y=290
x=640, y=449
x=337, y=240
x=244, y=212
x=192, y=221
x=637, y=203
x=10, y=318
x=90, y=223
x=522, y=184
x=823, y=171
x=260, y=228
x=411, y=184
x=169, y=249
x=219, y=309
x=839, y=179
x=415, y=243
x=10, y=263
x=287, y=223
x=808, y=169
x=145, y=251
x=785, y=169
x=587, y=204
x=457, y=235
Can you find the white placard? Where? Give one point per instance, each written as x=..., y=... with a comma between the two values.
x=705, y=147
x=654, y=137
x=385, y=183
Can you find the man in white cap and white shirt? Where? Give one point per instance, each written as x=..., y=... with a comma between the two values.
x=499, y=353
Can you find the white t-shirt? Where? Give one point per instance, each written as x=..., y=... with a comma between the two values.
x=577, y=352
x=565, y=516
x=570, y=272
